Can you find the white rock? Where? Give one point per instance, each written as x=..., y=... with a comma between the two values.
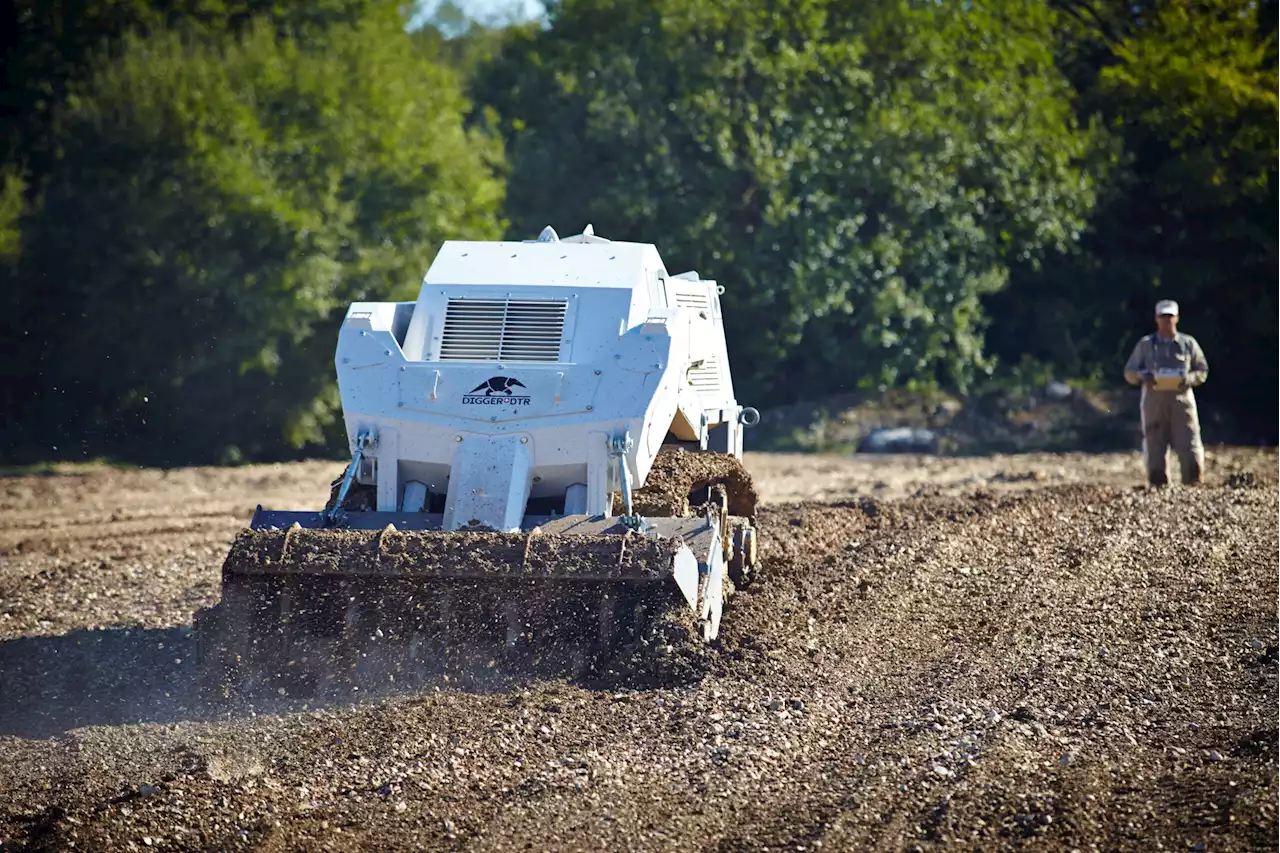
x=1057, y=390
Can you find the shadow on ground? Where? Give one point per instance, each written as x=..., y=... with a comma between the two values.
x=120, y=676
x=98, y=677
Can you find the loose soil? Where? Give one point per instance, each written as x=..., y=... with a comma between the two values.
x=477, y=554
x=985, y=653
x=677, y=478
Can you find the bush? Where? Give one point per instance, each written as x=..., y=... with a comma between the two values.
x=215, y=209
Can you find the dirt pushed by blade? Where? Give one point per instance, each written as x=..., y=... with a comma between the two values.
x=667, y=651
x=328, y=637
x=325, y=613
x=453, y=554
x=679, y=478
x=360, y=497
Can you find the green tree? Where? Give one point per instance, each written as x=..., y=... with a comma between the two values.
x=15, y=359
x=460, y=42
x=858, y=175
x=51, y=45
x=12, y=192
x=214, y=211
x=1188, y=89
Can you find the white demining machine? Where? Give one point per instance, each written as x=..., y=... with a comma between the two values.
x=502, y=428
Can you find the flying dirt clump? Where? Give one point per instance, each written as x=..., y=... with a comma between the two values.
x=676, y=476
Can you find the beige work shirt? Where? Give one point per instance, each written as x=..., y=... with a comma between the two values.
x=1181, y=352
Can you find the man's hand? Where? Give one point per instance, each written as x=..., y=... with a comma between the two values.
x=1148, y=379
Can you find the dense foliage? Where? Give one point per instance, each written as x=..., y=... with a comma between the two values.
x=893, y=192
x=858, y=176
x=1189, y=93
x=212, y=212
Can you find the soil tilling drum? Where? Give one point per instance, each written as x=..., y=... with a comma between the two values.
x=545, y=466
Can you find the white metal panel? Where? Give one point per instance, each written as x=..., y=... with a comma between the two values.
x=483, y=408
x=504, y=263
x=490, y=482
x=388, y=453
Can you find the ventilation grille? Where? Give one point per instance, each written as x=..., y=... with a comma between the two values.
x=691, y=297
x=503, y=330
x=706, y=376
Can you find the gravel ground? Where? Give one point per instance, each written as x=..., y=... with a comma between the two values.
x=1017, y=652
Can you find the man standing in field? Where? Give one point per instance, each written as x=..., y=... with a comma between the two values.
x=1168, y=364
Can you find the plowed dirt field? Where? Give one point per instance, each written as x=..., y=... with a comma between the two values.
x=983, y=654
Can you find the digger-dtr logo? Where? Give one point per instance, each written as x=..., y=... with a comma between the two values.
x=498, y=391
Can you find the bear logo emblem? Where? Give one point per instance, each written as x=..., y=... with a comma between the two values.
x=498, y=384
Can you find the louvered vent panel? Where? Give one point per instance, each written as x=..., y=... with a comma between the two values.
x=705, y=377
x=503, y=330
x=690, y=297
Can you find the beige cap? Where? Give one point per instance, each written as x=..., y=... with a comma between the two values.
x=1166, y=306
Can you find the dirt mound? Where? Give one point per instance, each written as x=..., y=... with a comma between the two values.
x=360, y=498
x=427, y=554
x=678, y=478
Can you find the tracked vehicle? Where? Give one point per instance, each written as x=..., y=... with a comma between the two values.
x=545, y=454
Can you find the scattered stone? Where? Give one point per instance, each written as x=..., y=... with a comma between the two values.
x=1243, y=480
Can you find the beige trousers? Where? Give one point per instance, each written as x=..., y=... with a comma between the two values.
x=1170, y=419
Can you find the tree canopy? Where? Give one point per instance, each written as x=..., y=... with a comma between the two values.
x=1187, y=91
x=236, y=197
x=894, y=192
x=859, y=176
